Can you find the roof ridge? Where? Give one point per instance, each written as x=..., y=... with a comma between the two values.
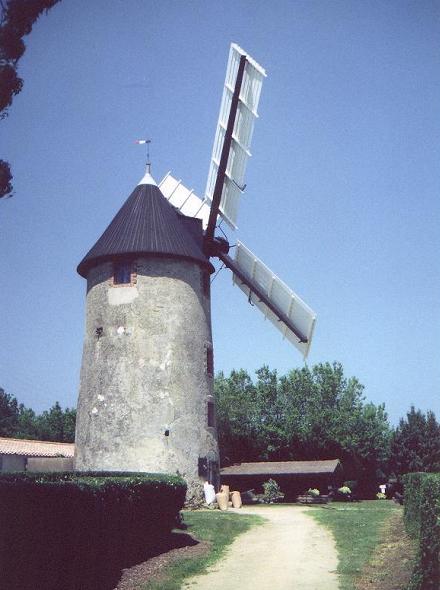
x=32, y=440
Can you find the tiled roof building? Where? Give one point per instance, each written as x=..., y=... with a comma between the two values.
x=35, y=448
x=21, y=455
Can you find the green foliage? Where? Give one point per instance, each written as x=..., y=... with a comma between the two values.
x=345, y=490
x=412, y=483
x=237, y=417
x=310, y=413
x=57, y=424
x=8, y=414
x=5, y=179
x=28, y=425
x=77, y=530
x=17, y=421
x=416, y=443
x=422, y=521
x=10, y=85
x=92, y=479
x=313, y=492
x=271, y=492
x=16, y=21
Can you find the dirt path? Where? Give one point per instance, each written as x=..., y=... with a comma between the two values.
x=289, y=552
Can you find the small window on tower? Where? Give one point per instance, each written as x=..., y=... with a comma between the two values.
x=211, y=414
x=209, y=361
x=122, y=273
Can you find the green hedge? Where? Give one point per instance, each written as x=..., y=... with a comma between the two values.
x=422, y=514
x=76, y=531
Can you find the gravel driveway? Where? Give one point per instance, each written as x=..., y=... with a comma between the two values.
x=289, y=552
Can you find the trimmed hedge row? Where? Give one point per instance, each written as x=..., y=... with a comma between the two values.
x=78, y=530
x=422, y=521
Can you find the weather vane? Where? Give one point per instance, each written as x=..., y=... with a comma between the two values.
x=147, y=143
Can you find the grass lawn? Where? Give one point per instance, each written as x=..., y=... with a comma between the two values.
x=219, y=529
x=358, y=529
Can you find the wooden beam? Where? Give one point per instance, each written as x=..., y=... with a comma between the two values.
x=253, y=286
x=220, y=180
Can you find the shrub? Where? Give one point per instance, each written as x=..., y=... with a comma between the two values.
x=413, y=495
x=352, y=484
x=272, y=492
x=314, y=492
x=77, y=530
x=345, y=490
x=342, y=494
x=381, y=496
x=421, y=515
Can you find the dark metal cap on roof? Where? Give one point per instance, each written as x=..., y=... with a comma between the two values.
x=147, y=224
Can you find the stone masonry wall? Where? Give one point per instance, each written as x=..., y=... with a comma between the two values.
x=144, y=384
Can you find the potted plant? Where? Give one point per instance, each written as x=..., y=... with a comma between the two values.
x=272, y=492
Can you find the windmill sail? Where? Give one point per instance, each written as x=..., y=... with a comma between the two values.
x=242, y=133
x=184, y=199
x=286, y=310
x=238, y=111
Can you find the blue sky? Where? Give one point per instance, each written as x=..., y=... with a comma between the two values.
x=342, y=198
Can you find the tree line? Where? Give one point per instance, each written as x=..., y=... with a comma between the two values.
x=319, y=413
x=17, y=421
x=309, y=414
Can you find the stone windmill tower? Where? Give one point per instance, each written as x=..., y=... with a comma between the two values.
x=146, y=386
x=146, y=393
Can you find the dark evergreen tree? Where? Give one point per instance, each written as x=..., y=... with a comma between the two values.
x=69, y=424
x=56, y=424
x=416, y=443
x=236, y=417
x=8, y=414
x=16, y=21
x=431, y=446
x=17, y=421
x=27, y=426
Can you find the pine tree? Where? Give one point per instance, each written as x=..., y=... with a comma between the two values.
x=416, y=443
x=17, y=421
x=431, y=444
x=8, y=414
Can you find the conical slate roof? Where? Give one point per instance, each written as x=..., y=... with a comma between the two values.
x=147, y=224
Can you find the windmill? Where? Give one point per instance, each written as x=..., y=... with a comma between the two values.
x=146, y=389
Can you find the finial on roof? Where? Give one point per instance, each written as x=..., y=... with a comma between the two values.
x=147, y=143
x=147, y=178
